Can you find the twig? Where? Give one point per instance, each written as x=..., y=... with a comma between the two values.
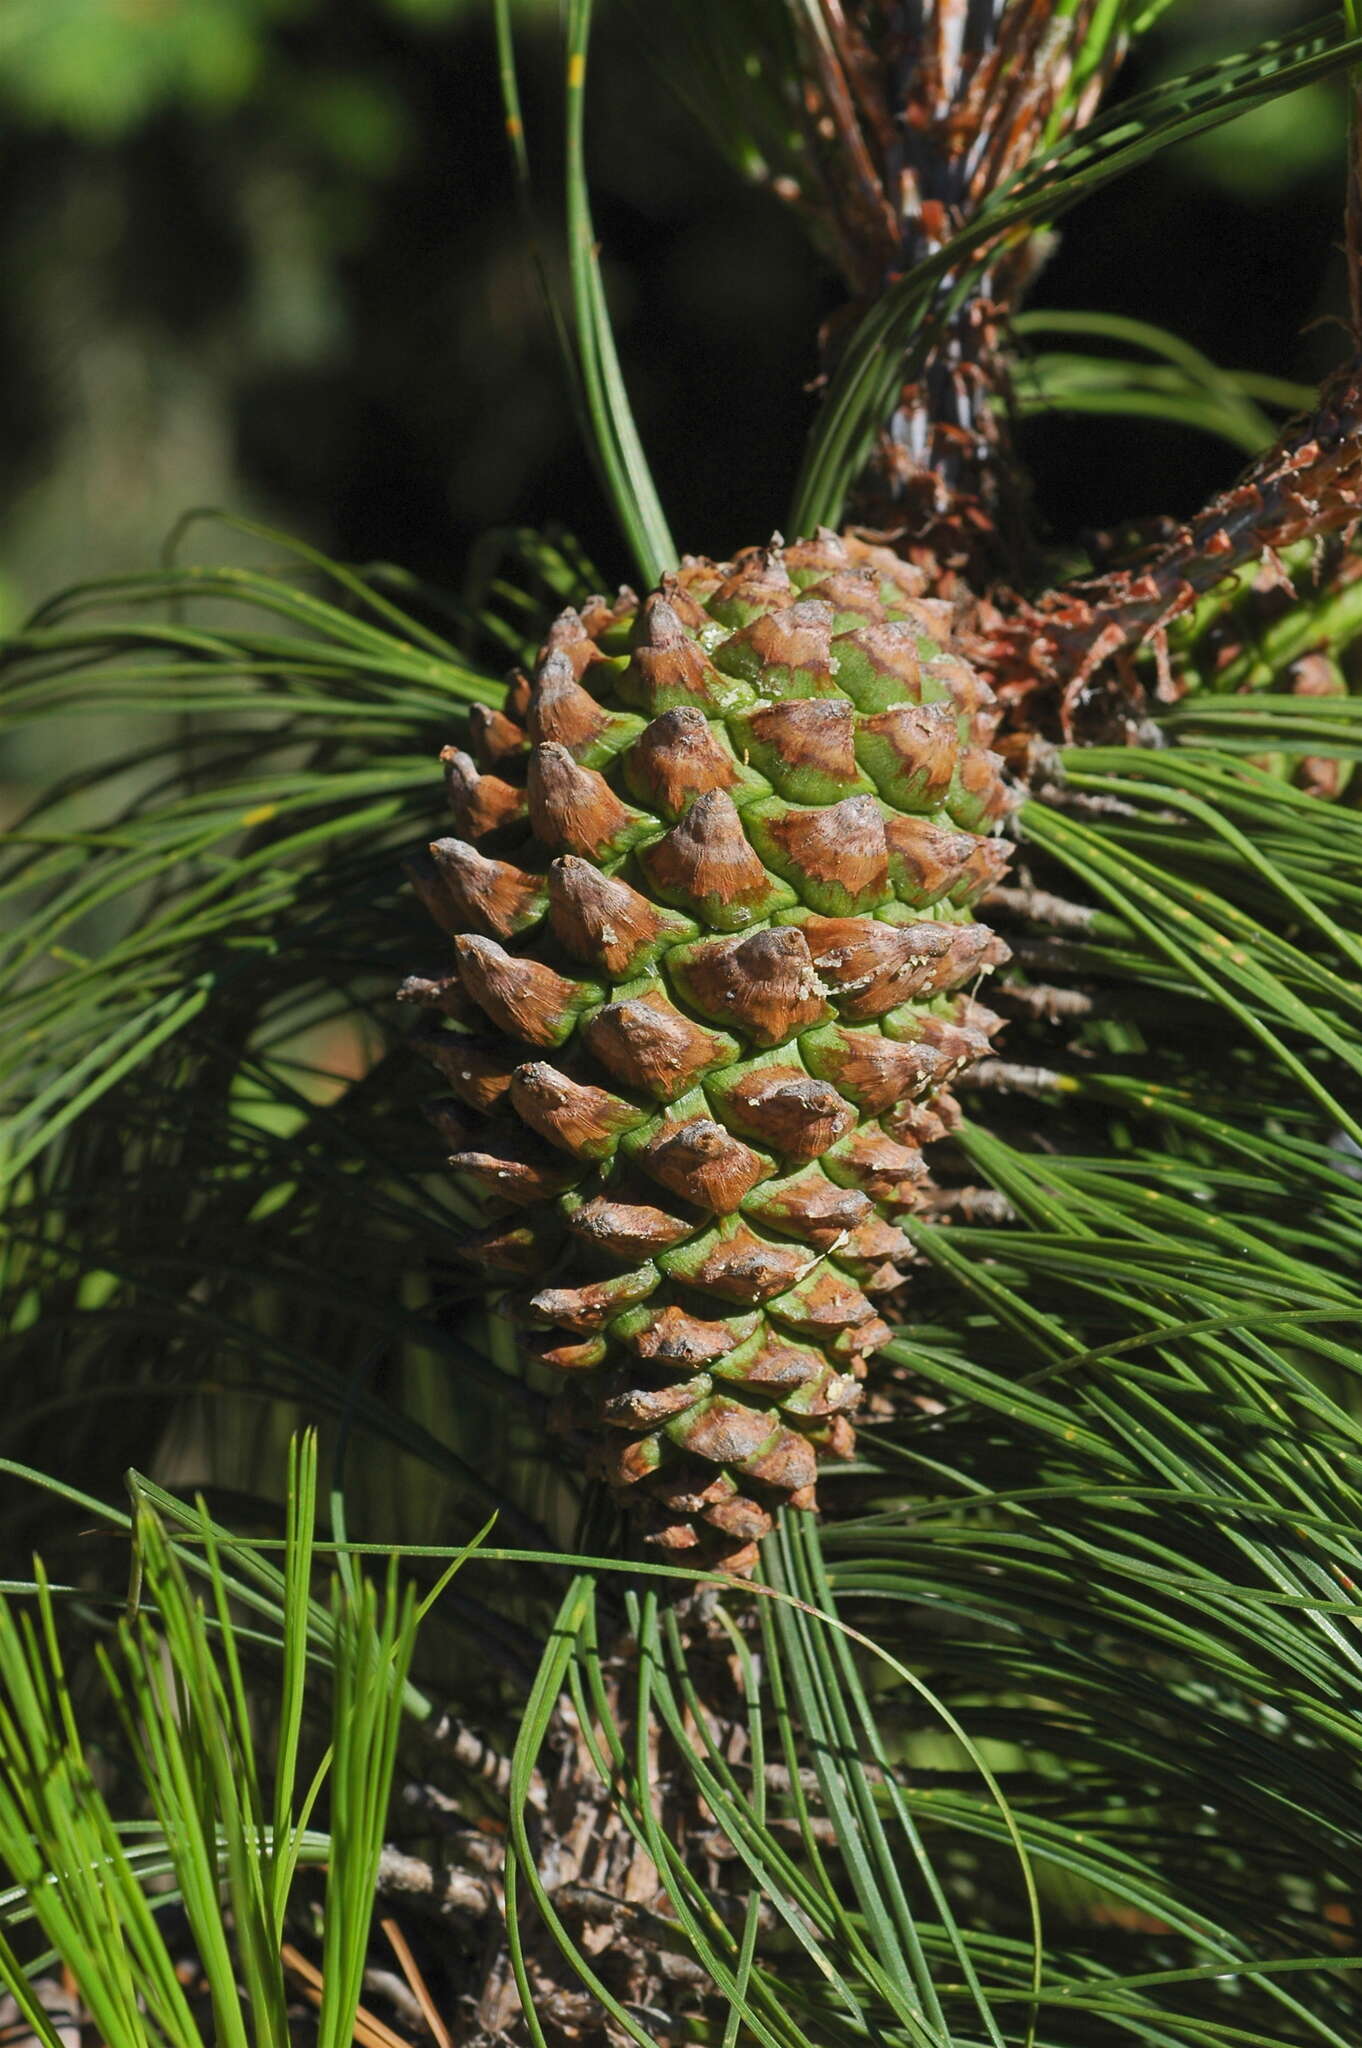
x=420, y=1988
x=971, y=1205
x=1308, y=485
x=1040, y=906
x=443, y=1889
x=474, y=1753
x=1040, y=999
x=387, y=1984
x=1008, y=1079
x=369, y=2029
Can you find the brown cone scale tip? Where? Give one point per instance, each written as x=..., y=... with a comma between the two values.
x=708, y=892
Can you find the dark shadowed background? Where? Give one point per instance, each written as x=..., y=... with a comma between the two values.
x=263, y=254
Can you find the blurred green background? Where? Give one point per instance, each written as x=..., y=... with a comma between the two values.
x=263, y=254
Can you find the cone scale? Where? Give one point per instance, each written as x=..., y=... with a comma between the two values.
x=709, y=895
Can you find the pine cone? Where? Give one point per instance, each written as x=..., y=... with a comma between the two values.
x=710, y=910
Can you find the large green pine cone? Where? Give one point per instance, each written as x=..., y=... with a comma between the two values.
x=710, y=904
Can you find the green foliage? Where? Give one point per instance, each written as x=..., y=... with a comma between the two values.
x=1139, y=1487
x=1050, y=1735
x=1181, y=385
x=587, y=340
x=199, y=990
x=1116, y=1513
x=1117, y=1524
x=229, y=1839
x=102, y=67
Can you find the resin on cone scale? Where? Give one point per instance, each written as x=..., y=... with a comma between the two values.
x=709, y=895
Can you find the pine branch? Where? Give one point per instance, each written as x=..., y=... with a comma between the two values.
x=916, y=118
x=1046, y=658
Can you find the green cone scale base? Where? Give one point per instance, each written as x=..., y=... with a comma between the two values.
x=710, y=893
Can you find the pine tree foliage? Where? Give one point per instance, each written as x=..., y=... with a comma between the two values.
x=1047, y=1731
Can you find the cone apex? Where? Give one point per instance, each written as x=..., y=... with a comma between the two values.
x=561, y=710
x=660, y=625
x=684, y=608
x=572, y=809
x=671, y=1337
x=502, y=1160
x=494, y=737
x=481, y=804
x=646, y=1043
x=523, y=997
x=585, y=1121
x=700, y=1161
x=676, y=759
x=788, y=1111
x=477, y=1069
x=568, y=644
x=461, y=887
x=444, y=993
x=599, y=918
x=706, y=865
x=835, y=855
x=630, y=1230
x=764, y=984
